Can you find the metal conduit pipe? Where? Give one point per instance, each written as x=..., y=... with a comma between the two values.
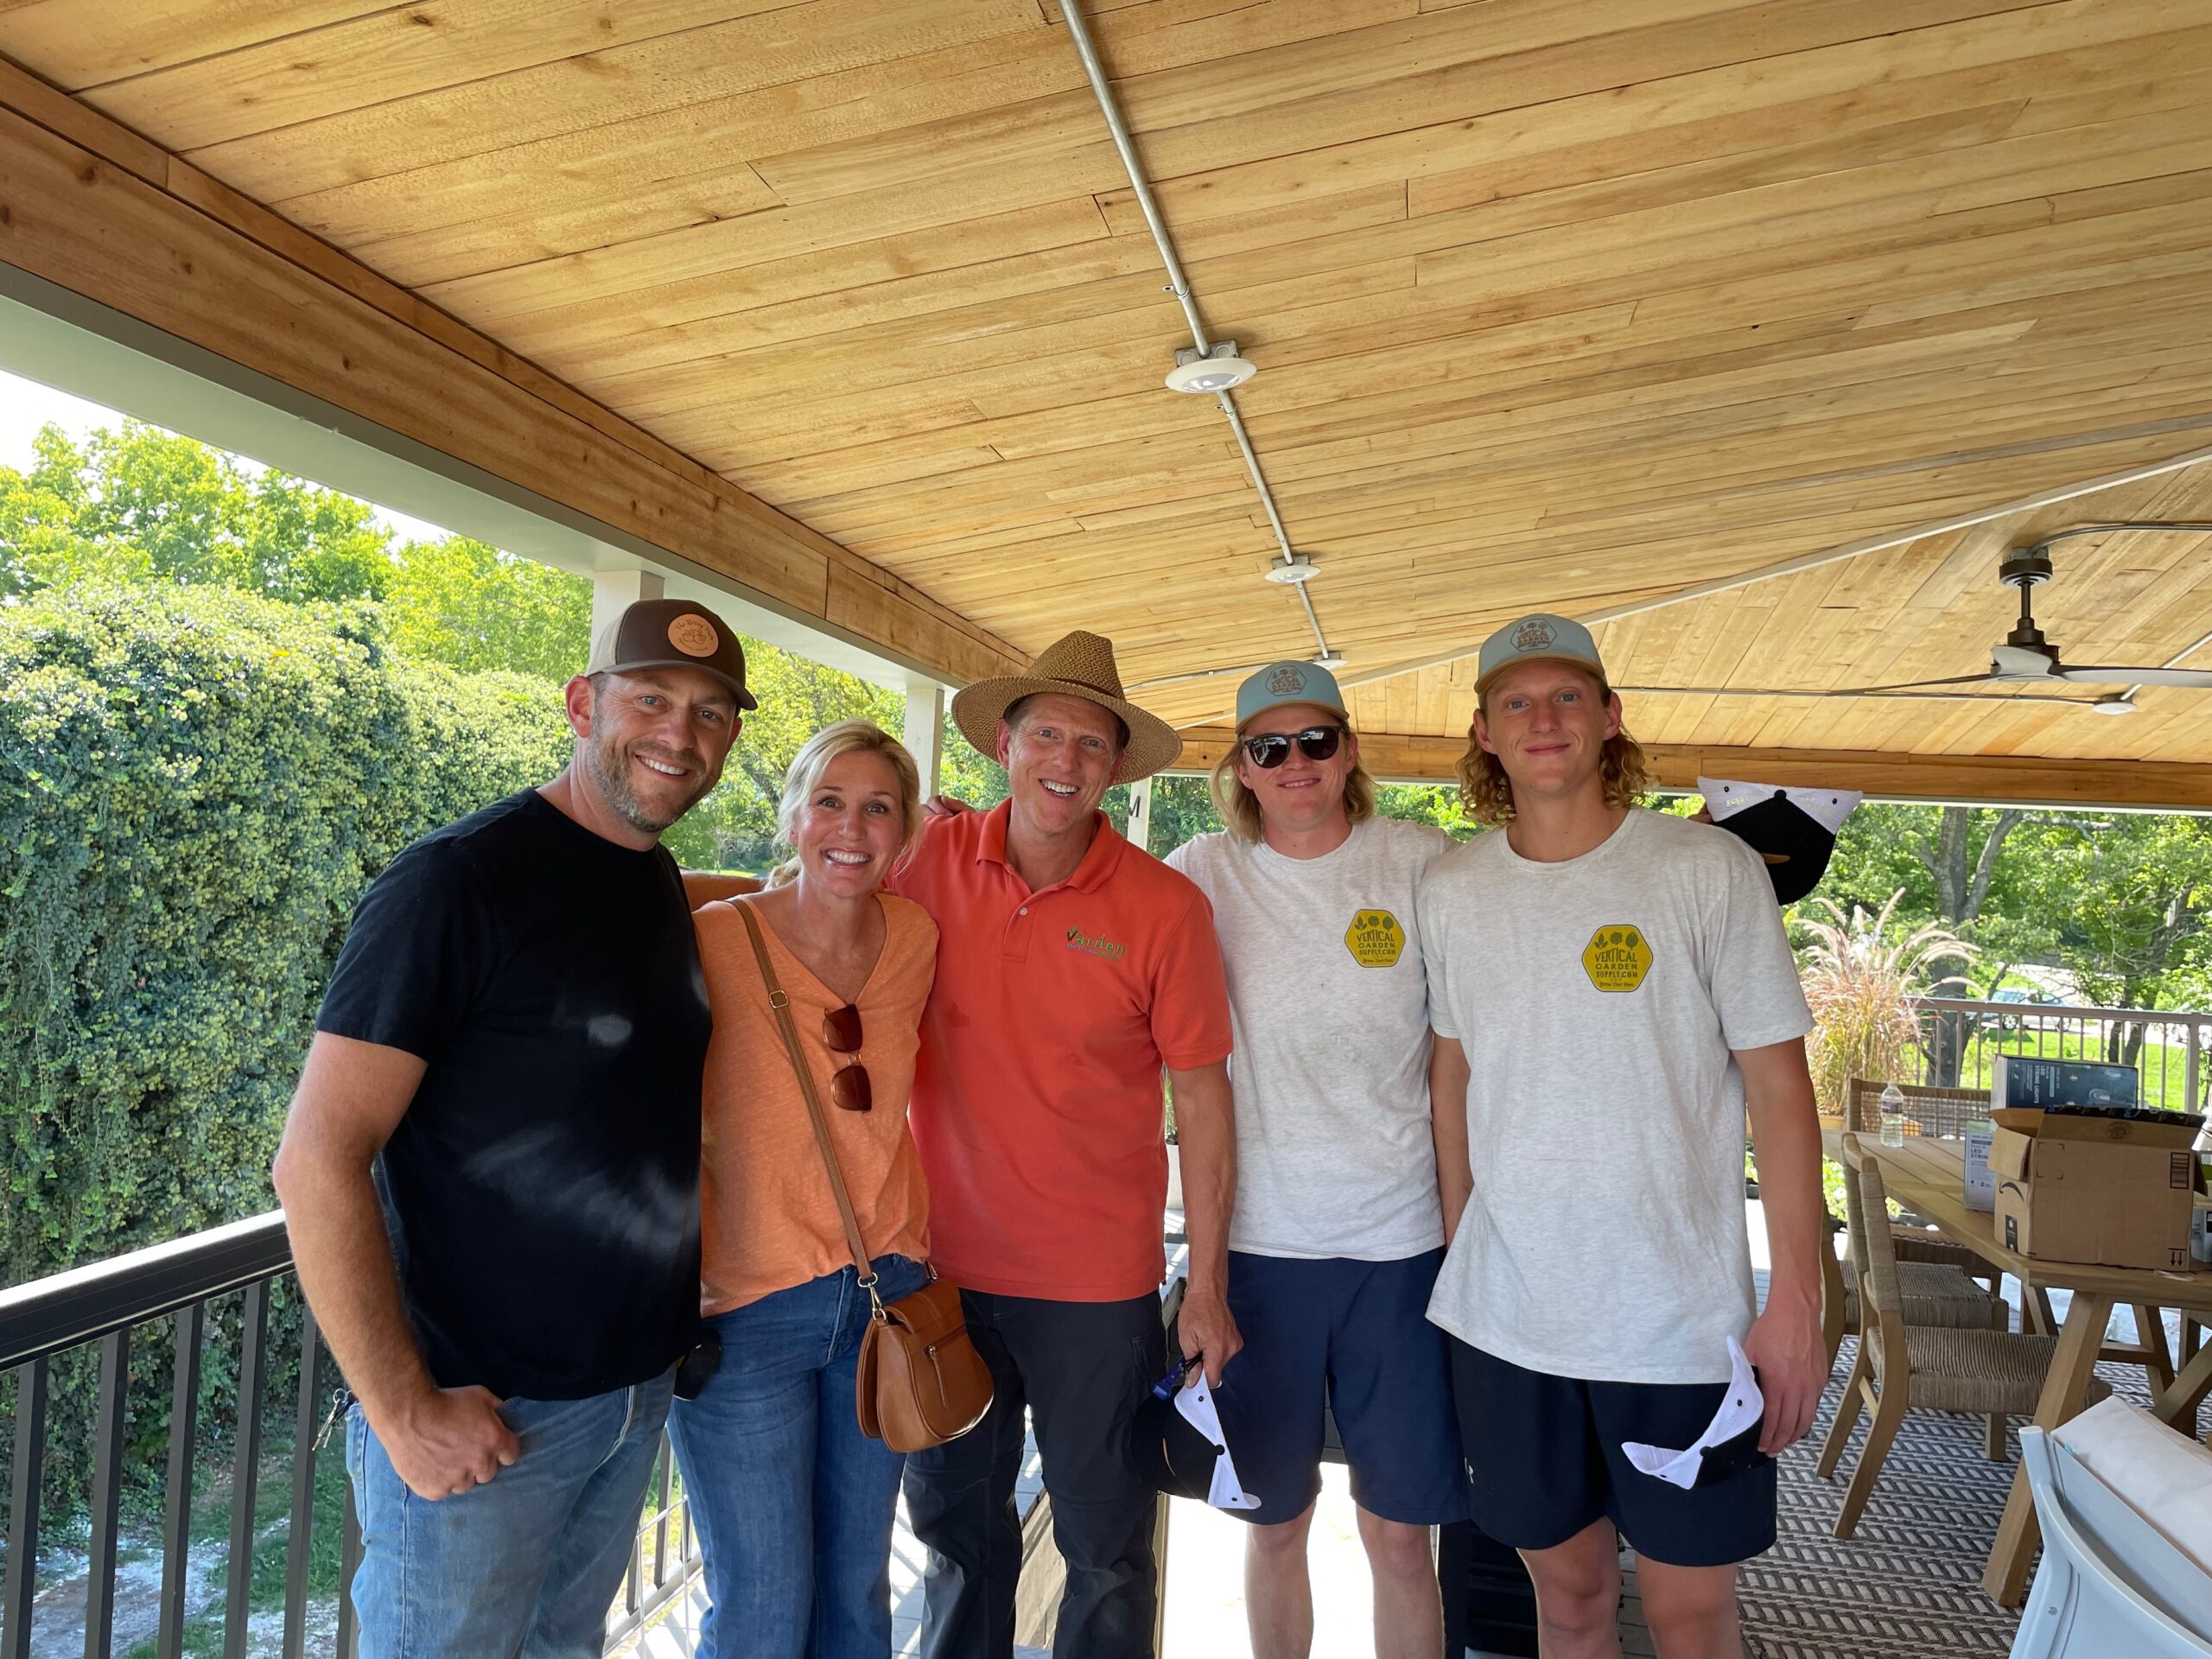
x=1179, y=285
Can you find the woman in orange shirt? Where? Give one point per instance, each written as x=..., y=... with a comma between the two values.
x=793, y=1504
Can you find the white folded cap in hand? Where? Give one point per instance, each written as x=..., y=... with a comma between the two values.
x=1741, y=1409
x=1195, y=1402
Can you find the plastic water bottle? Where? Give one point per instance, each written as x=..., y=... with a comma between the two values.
x=1893, y=1116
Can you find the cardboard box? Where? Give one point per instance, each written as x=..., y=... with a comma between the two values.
x=2092, y=1189
x=1981, y=1181
x=2023, y=1080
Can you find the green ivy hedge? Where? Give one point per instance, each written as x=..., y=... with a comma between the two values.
x=195, y=786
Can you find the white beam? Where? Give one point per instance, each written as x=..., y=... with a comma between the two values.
x=1139, y=835
x=613, y=592
x=924, y=735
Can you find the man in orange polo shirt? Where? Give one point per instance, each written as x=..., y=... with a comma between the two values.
x=1071, y=969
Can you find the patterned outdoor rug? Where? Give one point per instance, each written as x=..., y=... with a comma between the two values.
x=1908, y=1583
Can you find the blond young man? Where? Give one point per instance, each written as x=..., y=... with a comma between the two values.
x=1611, y=993
x=1338, y=1230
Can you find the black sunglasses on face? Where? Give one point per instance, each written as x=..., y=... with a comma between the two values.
x=1315, y=743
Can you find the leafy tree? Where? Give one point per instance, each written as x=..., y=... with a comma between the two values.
x=1182, y=809
x=38, y=540
x=474, y=608
x=2140, y=886
x=137, y=504
x=1436, y=804
x=1958, y=866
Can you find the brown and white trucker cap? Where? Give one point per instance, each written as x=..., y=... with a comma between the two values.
x=670, y=633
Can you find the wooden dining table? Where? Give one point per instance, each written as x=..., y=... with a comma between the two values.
x=1926, y=1176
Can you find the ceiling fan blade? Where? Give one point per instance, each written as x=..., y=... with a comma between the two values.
x=2019, y=662
x=2195, y=678
x=1910, y=685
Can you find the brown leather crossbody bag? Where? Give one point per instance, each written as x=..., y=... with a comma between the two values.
x=920, y=1382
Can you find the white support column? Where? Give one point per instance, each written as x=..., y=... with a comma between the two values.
x=926, y=731
x=614, y=590
x=1140, y=815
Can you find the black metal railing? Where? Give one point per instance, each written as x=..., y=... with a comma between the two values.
x=105, y=1304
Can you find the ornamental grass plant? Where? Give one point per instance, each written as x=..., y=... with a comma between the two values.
x=1860, y=974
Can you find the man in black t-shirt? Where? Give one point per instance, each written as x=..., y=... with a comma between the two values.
x=490, y=1170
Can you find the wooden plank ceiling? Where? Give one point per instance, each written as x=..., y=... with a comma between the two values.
x=1566, y=303
x=1929, y=608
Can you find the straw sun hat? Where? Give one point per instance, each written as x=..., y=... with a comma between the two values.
x=1079, y=664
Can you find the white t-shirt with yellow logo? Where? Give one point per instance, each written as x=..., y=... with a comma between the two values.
x=1329, y=1002
x=1598, y=1000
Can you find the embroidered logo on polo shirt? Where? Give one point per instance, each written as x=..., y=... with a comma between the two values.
x=1617, y=958
x=1376, y=939
x=1096, y=947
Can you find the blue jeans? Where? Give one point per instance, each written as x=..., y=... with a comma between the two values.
x=793, y=1503
x=525, y=1566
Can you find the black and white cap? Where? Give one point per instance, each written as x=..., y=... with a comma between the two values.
x=1793, y=829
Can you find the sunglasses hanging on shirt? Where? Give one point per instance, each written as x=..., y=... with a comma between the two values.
x=848, y=1085
x=1315, y=743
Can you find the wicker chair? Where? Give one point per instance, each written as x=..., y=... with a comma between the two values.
x=1934, y=1292
x=1992, y=1373
x=1931, y=1292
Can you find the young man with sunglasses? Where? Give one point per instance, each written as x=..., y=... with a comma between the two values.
x=1071, y=968
x=1611, y=993
x=1338, y=1228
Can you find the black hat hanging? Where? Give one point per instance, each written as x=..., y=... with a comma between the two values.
x=1793, y=829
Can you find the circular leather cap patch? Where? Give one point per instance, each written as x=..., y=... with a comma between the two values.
x=694, y=636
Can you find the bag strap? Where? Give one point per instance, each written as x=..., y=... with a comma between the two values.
x=782, y=1005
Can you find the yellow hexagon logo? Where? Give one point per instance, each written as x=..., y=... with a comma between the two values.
x=1376, y=939
x=1617, y=958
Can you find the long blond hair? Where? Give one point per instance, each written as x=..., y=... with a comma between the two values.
x=1488, y=793
x=1240, y=808
x=846, y=737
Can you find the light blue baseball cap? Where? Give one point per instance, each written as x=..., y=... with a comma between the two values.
x=1542, y=638
x=1284, y=684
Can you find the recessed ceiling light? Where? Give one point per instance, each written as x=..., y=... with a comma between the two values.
x=1294, y=570
x=2113, y=705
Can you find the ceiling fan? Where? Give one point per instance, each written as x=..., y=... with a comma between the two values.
x=2026, y=655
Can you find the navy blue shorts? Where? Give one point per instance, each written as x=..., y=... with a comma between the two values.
x=1545, y=1453
x=1350, y=1337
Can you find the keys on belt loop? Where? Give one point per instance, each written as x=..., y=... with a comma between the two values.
x=339, y=1402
